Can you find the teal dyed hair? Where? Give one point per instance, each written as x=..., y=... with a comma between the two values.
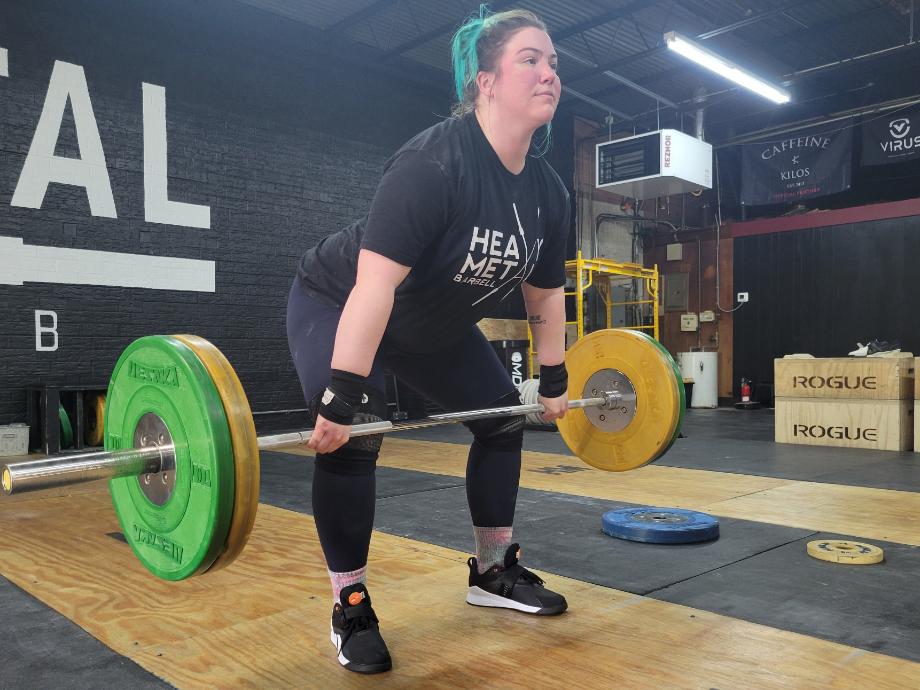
x=464, y=60
x=477, y=46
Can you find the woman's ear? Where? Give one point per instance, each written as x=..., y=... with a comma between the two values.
x=486, y=82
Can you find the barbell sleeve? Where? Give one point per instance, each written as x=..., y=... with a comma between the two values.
x=47, y=473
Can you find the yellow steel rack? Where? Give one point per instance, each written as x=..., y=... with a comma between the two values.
x=582, y=272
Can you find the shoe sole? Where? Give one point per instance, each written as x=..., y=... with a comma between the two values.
x=479, y=597
x=351, y=665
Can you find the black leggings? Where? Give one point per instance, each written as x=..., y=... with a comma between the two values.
x=463, y=375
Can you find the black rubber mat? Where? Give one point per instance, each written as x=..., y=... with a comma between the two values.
x=754, y=571
x=562, y=534
x=286, y=481
x=41, y=649
x=873, y=607
x=878, y=469
x=738, y=441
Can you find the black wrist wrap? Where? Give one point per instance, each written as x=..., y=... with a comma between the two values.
x=554, y=380
x=343, y=396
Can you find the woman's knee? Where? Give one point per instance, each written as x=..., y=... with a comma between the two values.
x=501, y=433
x=359, y=455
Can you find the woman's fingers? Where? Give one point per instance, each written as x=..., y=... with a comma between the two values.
x=554, y=408
x=327, y=437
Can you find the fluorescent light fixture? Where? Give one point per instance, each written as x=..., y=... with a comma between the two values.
x=720, y=65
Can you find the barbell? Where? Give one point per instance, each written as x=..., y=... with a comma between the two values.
x=182, y=455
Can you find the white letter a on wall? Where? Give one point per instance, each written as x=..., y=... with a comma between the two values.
x=42, y=166
x=157, y=206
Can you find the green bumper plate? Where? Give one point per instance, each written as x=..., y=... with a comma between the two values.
x=66, y=428
x=182, y=537
x=679, y=382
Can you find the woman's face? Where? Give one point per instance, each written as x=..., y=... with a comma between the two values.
x=525, y=85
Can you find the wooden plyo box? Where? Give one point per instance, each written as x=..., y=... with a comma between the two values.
x=864, y=378
x=504, y=329
x=847, y=402
x=875, y=424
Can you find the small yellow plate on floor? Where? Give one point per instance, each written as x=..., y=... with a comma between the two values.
x=846, y=552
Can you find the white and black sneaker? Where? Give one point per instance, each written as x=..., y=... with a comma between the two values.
x=356, y=635
x=512, y=586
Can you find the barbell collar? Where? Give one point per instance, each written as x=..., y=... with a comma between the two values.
x=47, y=473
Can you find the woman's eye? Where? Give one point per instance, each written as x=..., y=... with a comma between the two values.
x=531, y=60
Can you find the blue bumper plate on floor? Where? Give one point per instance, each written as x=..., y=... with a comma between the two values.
x=660, y=525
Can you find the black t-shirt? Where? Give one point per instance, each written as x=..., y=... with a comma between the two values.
x=470, y=230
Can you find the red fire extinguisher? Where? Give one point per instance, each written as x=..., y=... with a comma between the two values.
x=745, y=390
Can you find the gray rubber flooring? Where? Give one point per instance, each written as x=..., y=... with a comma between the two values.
x=740, y=441
x=562, y=532
x=870, y=607
x=39, y=648
x=755, y=571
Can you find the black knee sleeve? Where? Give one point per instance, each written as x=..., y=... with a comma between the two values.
x=359, y=455
x=502, y=433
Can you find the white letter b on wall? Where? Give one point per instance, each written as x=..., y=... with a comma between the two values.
x=40, y=330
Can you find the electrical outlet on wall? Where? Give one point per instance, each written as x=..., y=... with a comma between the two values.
x=689, y=322
x=742, y=297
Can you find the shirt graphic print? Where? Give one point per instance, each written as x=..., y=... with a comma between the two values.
x=493, y=256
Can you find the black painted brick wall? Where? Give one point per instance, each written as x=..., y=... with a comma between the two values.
x=283, y=143
x=822, y=290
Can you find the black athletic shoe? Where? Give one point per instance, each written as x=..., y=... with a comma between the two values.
x=880, y=346
x=512, y=586
x=356, y=635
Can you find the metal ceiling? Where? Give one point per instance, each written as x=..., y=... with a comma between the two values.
x=833, y=55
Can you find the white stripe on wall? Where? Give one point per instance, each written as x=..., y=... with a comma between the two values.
x=22, y=263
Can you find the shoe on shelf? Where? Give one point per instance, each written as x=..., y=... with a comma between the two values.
x=860, y=351
x=511, y=586
x=356, y=633
x=889, y=349
x=880, y=346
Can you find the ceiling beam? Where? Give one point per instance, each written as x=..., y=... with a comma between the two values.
x=359, y=16
x=676, y=71
x=448, y=27
x=559, y=35
x=606, y=17
x=728, y=28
